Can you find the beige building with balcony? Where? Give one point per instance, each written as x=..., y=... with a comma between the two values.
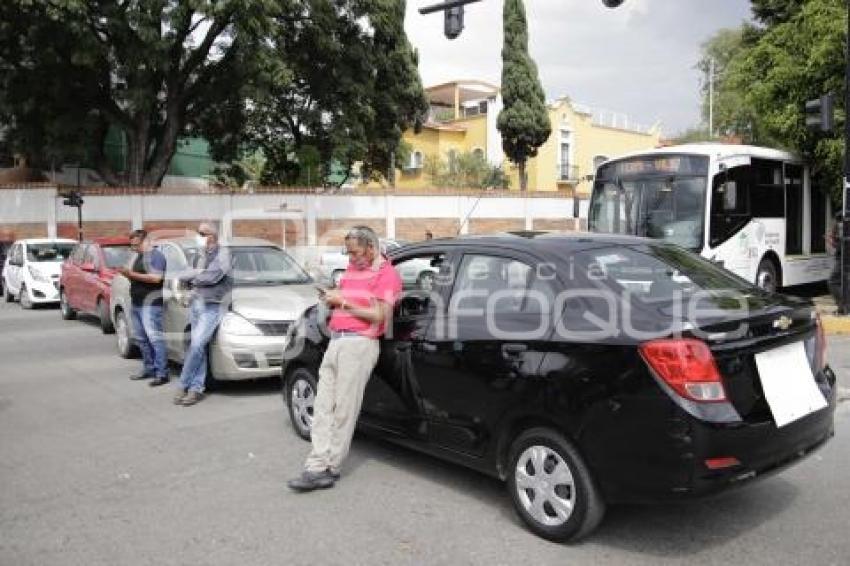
x=462, y=119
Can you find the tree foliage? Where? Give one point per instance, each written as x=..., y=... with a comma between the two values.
x=464, y=170
x=524, y=120
x=796, y=54
x=273, y=75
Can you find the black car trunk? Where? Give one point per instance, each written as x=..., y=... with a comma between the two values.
x=735, y=343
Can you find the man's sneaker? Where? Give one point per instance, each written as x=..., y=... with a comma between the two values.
x=140, y=375
x=308, y=481
x=180, y=395
x=156, y=382
x=191, y=398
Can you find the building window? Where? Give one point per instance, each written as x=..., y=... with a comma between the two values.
x=416, y=160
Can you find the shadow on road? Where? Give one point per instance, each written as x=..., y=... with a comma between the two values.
x=663, y=530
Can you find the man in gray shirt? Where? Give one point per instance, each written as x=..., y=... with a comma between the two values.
x=211, y=284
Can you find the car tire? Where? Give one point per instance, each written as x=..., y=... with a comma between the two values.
x=336, y=277
x=64, y=308
x=425, y=281
x=7, y=294
x=299, y=395
x=767, y=276
x=24, y=298
x=106, y=325
x=123, y=336
x=551, y=486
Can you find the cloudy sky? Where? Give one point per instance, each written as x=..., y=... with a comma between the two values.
x=637, y=59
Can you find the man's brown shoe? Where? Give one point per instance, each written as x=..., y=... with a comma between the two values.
x=181, y=394
x=191, y=398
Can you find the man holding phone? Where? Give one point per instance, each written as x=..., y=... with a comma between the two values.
x=361, y=309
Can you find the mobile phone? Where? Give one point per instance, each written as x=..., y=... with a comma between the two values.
x=321, y=290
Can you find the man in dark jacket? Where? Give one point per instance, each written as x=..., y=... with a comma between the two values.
x=211, y=284
x=146, y=273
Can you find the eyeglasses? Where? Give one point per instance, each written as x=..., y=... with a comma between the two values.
x=205, y=234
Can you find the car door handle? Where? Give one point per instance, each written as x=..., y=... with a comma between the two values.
x=513, y=350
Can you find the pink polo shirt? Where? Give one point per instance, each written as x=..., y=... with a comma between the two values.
x=362, y=287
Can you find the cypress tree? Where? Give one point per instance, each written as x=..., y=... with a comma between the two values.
x=524, y=120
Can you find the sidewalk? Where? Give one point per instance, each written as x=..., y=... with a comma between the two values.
x=833, y=323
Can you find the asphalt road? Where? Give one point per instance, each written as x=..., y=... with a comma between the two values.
x=95, y=469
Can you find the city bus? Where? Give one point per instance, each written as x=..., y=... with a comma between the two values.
x=752, y=210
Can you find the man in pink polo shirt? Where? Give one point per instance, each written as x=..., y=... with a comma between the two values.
x=362, y=308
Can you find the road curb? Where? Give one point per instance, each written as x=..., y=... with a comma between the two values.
x=842, y=394
x=836, y=325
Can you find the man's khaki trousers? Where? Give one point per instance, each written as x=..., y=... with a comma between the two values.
x=345, y=370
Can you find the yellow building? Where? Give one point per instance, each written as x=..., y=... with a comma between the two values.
x=462, y=118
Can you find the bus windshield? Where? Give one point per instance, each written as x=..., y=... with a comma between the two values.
x=662, y=197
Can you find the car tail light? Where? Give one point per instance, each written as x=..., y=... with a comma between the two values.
x=687, y=366
x=820, y=345
x=722, y=463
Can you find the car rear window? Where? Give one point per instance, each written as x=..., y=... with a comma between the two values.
x=657, y=272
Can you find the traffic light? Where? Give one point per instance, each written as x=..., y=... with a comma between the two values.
x=73, y=199
x=453, y=22
x=820, y=113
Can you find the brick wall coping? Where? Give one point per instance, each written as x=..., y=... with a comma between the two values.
x=121, y=191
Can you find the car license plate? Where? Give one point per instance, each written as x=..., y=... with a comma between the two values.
x=788, y=383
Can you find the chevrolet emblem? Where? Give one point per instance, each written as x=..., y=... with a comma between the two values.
x=783, y=323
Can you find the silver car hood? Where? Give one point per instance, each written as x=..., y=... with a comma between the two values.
x=280, y=302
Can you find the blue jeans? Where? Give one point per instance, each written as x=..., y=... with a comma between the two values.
x=205, y=318
x=147, y=329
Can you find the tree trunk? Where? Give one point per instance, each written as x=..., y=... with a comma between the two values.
x=166, y=146
x=523, y=178
x=137, y=150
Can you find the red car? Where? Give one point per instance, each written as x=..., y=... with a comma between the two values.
x=84, y=285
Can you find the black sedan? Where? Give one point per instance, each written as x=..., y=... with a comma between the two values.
x=586, y=370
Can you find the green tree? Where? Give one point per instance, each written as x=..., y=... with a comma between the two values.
x=337, y=76
x=524, y=120
x=797, y=54
x=70, y=70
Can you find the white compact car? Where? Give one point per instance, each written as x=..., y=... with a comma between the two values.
x=32, y=269
x=415, y=274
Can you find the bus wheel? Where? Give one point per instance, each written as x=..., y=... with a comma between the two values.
x=767, y=277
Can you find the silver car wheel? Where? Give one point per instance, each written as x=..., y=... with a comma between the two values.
x=122, y=333
x=302, y=397
x=545, y=486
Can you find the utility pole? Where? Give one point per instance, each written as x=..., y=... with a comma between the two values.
x=711, y=97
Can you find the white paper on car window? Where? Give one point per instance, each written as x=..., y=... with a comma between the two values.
x=788, y=383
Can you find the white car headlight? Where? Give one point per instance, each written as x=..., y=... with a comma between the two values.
x=239, y=326
x=38, y=275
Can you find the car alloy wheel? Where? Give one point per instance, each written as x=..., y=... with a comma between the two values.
x=300, y=395
x=24, y=298
x=545, y=485
x=551, y=487
x=122, y=335
x=67, y=312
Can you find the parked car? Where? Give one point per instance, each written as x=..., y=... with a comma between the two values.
x=518, y=366
x=270, y=291
x=332, y=265
x=31, y=272
x=4, y=250
x=86, y=278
